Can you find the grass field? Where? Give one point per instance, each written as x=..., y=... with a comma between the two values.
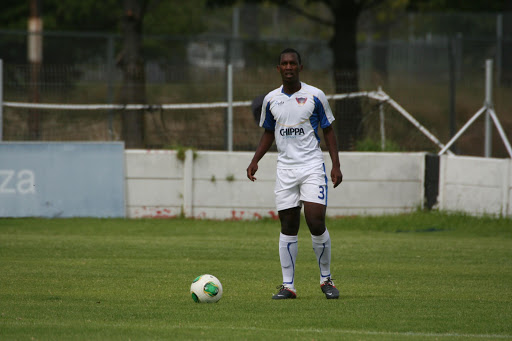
x=420, y=276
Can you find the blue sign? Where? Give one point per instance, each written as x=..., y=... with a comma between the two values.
x=61, y=179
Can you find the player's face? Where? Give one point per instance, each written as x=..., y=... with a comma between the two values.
x=289, y=68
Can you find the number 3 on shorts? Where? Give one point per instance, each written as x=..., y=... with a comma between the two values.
x=322, y=193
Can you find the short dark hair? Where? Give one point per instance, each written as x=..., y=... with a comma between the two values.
x=289, y=50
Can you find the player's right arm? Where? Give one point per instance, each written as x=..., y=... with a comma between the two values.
x=265, y=143
x=330, y=141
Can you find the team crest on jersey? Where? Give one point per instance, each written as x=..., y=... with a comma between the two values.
x=301, y=100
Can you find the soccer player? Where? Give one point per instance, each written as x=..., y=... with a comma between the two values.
x=291, y=115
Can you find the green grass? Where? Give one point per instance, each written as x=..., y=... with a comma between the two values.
x=420, y=276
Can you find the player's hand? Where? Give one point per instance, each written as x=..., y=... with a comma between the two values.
x=336, y=177
x=251, y=170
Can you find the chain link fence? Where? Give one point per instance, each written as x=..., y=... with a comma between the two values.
x=435, y=77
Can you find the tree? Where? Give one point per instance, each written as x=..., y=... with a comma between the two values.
x=346, y=75
x=109, y=16
x=131, y=59
x=343, y=43
x=134, y=77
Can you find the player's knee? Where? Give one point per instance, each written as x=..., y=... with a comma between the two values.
x=289, y=230
x=317, y=231
x=316, y=226
x=290, y=221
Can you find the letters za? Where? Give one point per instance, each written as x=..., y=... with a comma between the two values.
x=12, y=181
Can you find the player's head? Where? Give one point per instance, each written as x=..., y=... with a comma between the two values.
x=290, y=65
x=289, y=50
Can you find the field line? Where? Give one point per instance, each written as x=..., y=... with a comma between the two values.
x=361, y=332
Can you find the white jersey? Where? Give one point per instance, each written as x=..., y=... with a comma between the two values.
x=295, y=120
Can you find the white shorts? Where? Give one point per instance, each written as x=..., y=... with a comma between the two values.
x=294, y=186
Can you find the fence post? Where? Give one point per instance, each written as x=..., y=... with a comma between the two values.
x=230, y=108
x=452, y=60
x=382, y=127
x=1, y=99
x=458, y=55
x=110, y=85
x=488, y=105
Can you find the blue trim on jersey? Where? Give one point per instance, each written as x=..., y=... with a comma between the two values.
x=269, y=123
x=282, y=91
x=291, y=259
x=318, y=116
x=326, y=187
x=319, y=108
x=314, y=119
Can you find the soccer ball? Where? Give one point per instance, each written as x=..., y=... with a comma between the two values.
x=206, y=289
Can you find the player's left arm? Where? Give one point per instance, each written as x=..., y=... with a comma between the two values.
x=326, y=118
x=332, y=147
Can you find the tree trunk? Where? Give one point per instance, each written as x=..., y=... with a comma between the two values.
x=134, y=78
x=346, y=76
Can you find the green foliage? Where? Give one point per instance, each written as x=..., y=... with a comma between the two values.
x=419, y=276
x=175, y=17
x=161, y=17
x=458, y=5
x=14, y=14
x=371, y=145
x=84, y=15
x=181, y=150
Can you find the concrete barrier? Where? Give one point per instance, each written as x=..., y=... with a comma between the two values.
x=476, y=185
x=154, y=183
x=89, y=179
x=214, y=185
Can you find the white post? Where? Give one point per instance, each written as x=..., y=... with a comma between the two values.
x=463, y=129
x=188, y=179
x=230, y=108
x=382, y=128
x=501, y=131
x=1, y=99
x=488, y=105
x=421, y=128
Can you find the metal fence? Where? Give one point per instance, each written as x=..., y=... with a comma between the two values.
x=436, y=78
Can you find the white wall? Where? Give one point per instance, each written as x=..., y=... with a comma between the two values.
x=475, y=185
x=154, y=183
x=378, y=183
x=214, y=184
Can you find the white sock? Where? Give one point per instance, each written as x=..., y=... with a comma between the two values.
x=288, y=249
x=322, y=248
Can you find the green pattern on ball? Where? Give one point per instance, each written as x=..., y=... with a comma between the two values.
x=197, y=279
x=211, y=289
x=195, y=298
